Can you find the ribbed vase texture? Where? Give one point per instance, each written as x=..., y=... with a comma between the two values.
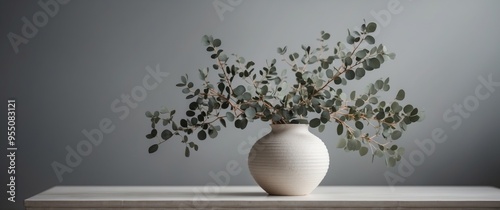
x=289, y=160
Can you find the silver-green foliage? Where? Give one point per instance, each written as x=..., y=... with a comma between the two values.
x=244, y=93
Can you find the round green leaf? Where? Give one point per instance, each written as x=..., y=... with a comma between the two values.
x=396, y=107
x=239, y=90
x=359, y=102
x=264, y=90
x=360, y=72
x=408, y=108
x=250, y=112
x=351, y=145
x=359, y=125
x=153, y=148
x=414, y=112
x=212, y=133
x=186, y=152
x=349, y=74
x=202, y=135
x=379, y=84
x=374, y=63
x=360, y=54
x=401, y=95
x=223, y=57
x=348, y=61
x=247, y=96
x=371, y=27
x=315, y=122
x=243, y=124
x=369, y=39
x=380, y=115
x=342, y=143
x=363, y=151
x=230, y=116
x=373, y=100
x=325, y=36
x=321, y=128
x=396, y=135
x=329, y=73
x=325, y=116
x=216, y=42
x=166, y=134
x=391, y=55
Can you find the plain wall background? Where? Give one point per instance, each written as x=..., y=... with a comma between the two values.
x=91, y=52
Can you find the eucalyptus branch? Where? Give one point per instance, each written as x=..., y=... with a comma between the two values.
x=316, y=96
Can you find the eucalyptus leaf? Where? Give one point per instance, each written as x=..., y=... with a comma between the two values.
x=351, y=145
x=359, y=102
x=350, y=39
x=329, y=73
x=230, y=116
x=153, y=148
x=369, y=39
x=359, y=125
x=363, y=151
x=216, y=43
x=349, y=74
x=408, y=108
x=239, y=90
x=314, y=122
x=360, y=54
x=396, y=135
x=202, y=135
x=340, y=129
x=360, y=72
x=342, y=143
x=348, y=61
x=321, y=128
x=166, y=134
x=401, y=95
x=325, y=36
x=250, y=112
x=374, y=63
x=371, y=27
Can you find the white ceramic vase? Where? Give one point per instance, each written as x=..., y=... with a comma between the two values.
x=289, y=160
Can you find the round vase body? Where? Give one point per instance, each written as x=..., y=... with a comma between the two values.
x=289, y=160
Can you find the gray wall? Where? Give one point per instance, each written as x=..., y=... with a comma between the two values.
x=67, y=76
